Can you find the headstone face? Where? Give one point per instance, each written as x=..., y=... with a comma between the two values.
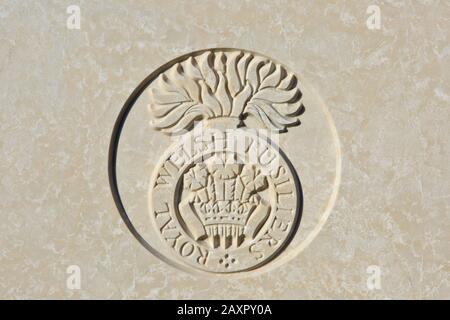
x=225, y=195
x=262, y=149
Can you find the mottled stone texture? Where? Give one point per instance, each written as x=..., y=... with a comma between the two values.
x=387, y=90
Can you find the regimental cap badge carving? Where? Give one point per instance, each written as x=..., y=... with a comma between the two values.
x=224, y=198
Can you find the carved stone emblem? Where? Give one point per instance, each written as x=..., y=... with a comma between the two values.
x=224, y=198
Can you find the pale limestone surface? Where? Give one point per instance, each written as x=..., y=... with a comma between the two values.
x=387, y=91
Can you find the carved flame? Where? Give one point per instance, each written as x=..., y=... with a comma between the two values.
x=225, y=84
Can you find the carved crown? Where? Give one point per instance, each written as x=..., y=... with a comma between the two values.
x=221, y=83
x=225, y=195
x=224, y=213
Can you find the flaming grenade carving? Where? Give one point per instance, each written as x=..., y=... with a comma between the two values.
x=224, y=188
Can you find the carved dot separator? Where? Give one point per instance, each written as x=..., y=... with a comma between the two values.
x=227, y=260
